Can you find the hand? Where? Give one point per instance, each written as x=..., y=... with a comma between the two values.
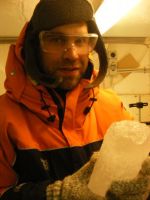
x=75, y=186
x=136, y=189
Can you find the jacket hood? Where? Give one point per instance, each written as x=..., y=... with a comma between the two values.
x=22, y=89
x=15, y=75
x=19, y=86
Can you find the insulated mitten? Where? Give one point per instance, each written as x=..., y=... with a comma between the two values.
x=135, y=189
x=74, y=187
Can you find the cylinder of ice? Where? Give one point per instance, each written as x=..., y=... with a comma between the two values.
x=126, y=144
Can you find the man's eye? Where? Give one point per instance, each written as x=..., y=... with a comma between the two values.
x=81, y=41
x=56, y=40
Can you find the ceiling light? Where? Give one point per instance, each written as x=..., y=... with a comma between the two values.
x=111, y=11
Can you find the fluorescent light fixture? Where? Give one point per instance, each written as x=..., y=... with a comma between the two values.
x=111, y=11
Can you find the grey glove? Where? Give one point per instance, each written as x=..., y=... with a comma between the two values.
x=74, y=187
x=136, y=189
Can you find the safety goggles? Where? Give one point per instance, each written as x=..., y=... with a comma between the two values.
x=61, y=43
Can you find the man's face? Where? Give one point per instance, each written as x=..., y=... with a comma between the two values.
x=70, y=65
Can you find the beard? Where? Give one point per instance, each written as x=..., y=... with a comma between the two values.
x=69, y=83
x=64, y=73
x=66, y=82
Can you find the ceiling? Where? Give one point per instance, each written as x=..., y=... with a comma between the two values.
x=14, y=13
x=135, y=24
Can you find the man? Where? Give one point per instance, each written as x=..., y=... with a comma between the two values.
x=53, y=115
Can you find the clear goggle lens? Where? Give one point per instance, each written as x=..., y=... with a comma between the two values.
x=59, y=43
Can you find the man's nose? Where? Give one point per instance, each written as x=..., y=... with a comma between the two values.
x=71, y=52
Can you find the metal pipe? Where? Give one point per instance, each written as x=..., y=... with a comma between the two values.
x=140, y=70
x=7, y=39
x=107, y=40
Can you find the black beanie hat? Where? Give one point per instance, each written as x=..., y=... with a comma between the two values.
x=49, y=14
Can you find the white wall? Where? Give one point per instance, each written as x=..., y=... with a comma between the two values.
x=14, y=14
x=133, y=85
x=3, y=56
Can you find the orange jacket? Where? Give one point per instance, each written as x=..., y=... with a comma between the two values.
x=25, y=130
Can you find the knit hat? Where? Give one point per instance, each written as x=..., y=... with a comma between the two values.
x=49, y=14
